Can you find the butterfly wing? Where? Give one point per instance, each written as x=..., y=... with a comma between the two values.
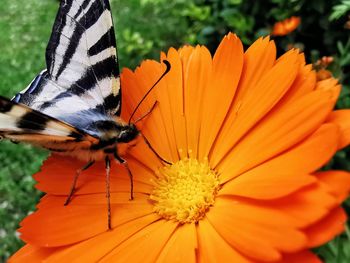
x=81, y=62
x=21, y=123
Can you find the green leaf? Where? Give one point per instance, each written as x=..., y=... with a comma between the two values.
x=339, y=10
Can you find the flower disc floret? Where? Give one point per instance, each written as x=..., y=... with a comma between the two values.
x=185, y=190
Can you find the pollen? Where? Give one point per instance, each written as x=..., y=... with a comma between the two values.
x=185, y=190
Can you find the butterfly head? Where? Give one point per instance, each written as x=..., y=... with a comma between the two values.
x=128, y=133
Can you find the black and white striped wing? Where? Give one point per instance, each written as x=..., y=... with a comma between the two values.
x=21, y=123
x=82, y=69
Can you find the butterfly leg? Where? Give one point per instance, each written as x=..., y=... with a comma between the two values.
x=108, y=190
x=125, y=164
x=78, y=172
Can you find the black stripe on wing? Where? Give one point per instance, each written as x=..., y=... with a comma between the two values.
x=16, y=119
x=32, y=121
x=79, y=27
x=84, y=27
x=105, y=40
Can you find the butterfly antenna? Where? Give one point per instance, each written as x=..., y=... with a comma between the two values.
x=168, y=67
x=154, y=151
x=147, y=113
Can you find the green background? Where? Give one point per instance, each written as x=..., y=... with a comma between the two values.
x=144, y=28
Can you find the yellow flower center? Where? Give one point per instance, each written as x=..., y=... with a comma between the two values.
x=185, y=190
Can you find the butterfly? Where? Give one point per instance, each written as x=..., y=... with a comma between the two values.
x=73, y=106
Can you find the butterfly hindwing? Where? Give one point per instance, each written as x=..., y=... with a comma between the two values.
x=81, y=62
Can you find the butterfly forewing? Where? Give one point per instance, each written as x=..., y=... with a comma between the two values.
x=81, y=62
x=19, y=122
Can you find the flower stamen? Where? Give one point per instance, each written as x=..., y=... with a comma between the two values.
x=185, y=190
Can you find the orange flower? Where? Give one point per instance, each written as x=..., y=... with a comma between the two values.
x=286, y=26
x=246, y=134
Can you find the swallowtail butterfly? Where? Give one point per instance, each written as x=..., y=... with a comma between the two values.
x=73, y=106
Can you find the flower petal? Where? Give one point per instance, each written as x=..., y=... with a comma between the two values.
x=196, y=80
x=281, y=130
x=258, y=61
x=95, y=248
x=227, y=68
x=145, y=245
x=254, y=104
x=300, y=257
x=254, y=234
x=342, y=119
x=160, y=117
x=306, y=206
x=256, y=183
x=175, y=79
x=213, y=248
x=327, y=228
x=266, y=186
x=32, y=254
x=304, y=83
x=181, y=247
x=56, y=177
x=338, y=182
x=57, y=225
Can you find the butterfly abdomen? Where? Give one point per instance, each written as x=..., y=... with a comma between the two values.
x=112, y=137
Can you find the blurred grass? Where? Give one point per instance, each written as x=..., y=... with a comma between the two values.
x=145, y=27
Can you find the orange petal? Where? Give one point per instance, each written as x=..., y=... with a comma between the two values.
x=227, y=68
x=305, y=256
x=144, y=78
x=255, y=104
x=266, y=185
x=56, y=177
x=59, y=225
x=213, y=248
x=196, y=80
x=175, y=79
x=160, y=119
x=258, y=60
x=96, y=248
x=326, y=229
x=338, y=182
x=298, y=210
x=342, y=119
x=281, y=130
x=252, y=234
x=330, y=84
x=286, y=26
x=32, y=254
x=136, y=84
x=306, y=206
x=321, y=145
x=145, y=245
x=304, y=83
x=182, y=245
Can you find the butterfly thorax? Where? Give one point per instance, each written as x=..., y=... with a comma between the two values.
x=112, y=132
x=113, y=138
